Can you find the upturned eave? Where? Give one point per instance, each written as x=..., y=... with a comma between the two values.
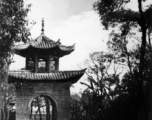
x=60, y=76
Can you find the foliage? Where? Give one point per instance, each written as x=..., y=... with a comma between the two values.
x=13, y=25
x=128, y=97
x=114, y=13
x=12, y=29
x=110, y=98
x=96, y=99
x=128, y=25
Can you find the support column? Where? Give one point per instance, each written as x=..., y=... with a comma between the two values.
x=36, y=63
x=49, y=62
x=57, y=64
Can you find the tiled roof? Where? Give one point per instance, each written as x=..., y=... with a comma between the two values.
x=21, y=46
x=67, y=48
x=55, y=76
x=43, y=42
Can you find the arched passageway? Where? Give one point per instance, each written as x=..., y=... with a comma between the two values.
x=43, y=107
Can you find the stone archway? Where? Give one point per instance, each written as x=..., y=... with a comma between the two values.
x=58, y=94
x=43, y=107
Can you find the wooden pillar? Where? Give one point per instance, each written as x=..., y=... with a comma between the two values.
x=49, y=62
x=57, y=64
x=36, y=63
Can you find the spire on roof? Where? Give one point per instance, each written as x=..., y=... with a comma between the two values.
x=42, y=26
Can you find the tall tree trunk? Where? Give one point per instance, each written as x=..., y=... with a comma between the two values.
x=1, y=105
x=47, y=109
x=3, y=92
x=39, y=108
x=143, y=43
x=149, y=104
x=31, y=110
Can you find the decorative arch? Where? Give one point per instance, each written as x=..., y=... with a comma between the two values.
x=51, y=99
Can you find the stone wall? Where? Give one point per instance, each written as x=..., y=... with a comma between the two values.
x=59, y=94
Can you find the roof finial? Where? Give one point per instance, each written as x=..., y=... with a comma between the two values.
x=42, y=26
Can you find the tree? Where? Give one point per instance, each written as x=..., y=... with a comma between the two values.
x=113, y=98
x=110, y=98
x=102, y=80
x=115, y=14
x=12, y=29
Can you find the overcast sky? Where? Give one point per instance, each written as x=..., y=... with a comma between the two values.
x=71, y=21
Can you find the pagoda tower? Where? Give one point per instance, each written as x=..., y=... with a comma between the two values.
x=42, y=80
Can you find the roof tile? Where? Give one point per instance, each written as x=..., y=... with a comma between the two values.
x=61, y=75
x=43, y=42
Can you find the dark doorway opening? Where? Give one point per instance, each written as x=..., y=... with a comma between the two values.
x=43, y=108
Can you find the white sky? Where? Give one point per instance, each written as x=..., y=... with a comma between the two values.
x=71, y=21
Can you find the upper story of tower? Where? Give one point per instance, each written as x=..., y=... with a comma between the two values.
x=42, y=54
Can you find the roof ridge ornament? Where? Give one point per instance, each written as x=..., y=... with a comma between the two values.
x=42, y=26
